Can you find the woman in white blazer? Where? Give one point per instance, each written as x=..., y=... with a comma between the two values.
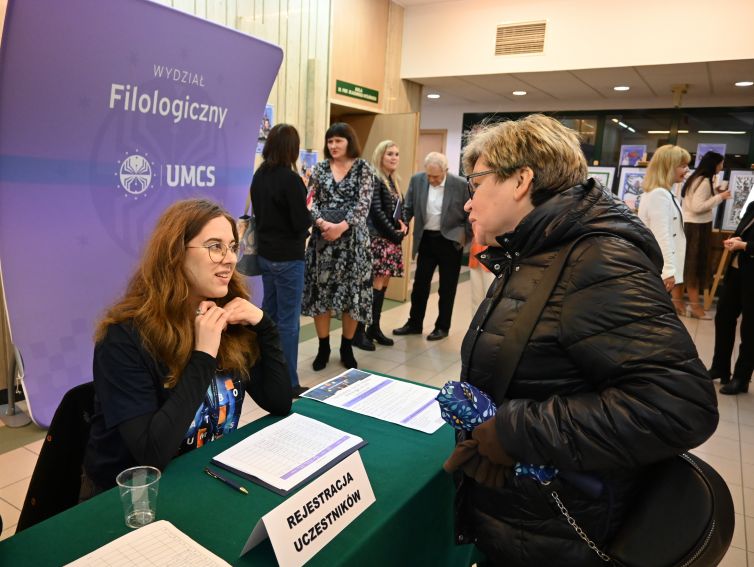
x=661, y=212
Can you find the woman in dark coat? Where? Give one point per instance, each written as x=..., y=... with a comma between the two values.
x=609, y=381
x=736, y=299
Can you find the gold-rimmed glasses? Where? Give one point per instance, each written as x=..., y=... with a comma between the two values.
x=218, y=251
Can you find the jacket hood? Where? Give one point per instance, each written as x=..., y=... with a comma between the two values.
x=579, y=210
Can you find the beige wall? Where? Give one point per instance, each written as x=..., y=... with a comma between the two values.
x=458, y=37
x=302, y=29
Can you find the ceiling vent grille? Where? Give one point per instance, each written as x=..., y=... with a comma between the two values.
x=517, y=39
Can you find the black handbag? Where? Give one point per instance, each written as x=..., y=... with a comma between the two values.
x=248, y=261
x=683, y=514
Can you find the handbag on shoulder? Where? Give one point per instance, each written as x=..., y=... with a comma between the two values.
x=248, y=262
x=683, y=514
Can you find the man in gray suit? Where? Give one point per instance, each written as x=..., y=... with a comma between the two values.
x=435, y=200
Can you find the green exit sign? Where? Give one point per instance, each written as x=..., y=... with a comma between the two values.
x=356, y=91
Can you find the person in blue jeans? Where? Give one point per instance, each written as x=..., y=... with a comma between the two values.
x=278, y=197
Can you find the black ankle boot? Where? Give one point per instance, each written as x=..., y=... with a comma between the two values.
x=360, y=339
x=736, y=386
x=346, y=353
x=374, y=332
x=715, y=374
x=323, y=354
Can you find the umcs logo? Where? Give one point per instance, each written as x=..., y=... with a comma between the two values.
x=135, y=174
x=190, y=175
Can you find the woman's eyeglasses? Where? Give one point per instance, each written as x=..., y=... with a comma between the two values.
x=218, y=251
x=472, y=189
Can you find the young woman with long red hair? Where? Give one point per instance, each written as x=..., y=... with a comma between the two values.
x=174, y=356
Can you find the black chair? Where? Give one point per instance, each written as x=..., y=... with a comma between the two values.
x=56, y=480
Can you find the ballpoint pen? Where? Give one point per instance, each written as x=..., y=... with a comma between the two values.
x=230, y=483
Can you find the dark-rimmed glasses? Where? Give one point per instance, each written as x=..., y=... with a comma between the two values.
x=471, y=176
x=218, y=251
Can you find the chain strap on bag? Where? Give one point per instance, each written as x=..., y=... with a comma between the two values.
x=248, y=262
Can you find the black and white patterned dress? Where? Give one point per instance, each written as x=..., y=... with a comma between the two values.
x=338, y=275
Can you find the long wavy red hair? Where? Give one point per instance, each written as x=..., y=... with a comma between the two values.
x=157, y=297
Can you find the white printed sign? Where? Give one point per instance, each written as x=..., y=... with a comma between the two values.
x=305, y=523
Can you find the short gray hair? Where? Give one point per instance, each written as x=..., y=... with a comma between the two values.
x=437, y=159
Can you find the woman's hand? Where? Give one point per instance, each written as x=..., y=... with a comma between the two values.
x=725, y=194
x=209, y=324
x=735, y=243
x=242, y=312
x=404, y=228
x=669, y=283
x=332, y=231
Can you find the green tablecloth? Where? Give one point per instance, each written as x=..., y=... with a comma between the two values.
x=409, y=524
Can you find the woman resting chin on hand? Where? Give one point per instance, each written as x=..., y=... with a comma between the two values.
x=175, y=356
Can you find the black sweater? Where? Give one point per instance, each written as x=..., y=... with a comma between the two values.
x=137, y=421
x=278, y=198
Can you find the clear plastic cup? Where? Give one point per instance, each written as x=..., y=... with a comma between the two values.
x=138, y=494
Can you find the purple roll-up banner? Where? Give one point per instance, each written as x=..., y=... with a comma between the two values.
x=110, y=110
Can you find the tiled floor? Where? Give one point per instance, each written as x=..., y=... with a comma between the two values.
x=730, y=450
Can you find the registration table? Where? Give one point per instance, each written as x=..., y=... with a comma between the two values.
x=411, y=523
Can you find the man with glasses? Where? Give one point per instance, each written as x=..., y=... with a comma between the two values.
x=435, y=200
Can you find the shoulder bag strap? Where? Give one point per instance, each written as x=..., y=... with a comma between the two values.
x=518, y=335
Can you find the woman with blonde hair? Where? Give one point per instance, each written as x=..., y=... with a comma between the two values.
x=661, y=212
x=174, y=356
x=386, y=232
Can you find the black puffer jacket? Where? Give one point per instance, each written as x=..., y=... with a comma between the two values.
x=609, y=382
x=380, y=220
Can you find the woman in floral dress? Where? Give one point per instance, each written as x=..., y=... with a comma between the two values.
x=338, y=278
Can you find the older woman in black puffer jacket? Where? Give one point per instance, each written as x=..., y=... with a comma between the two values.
x=609, y=382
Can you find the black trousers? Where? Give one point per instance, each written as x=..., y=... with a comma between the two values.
x=435, y=251
x=736, y=298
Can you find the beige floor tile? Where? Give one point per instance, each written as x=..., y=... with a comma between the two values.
x=413, y=373
x=15, y=493
x=36, y=446
x=720, y=447
x=16, y=465
x=394, y=354
x=748, y=503
x=727, y=429
x=734, y=558
x=746, y=416
x=747, y=453
x=748, y=475
x=729, y=469
x=9, y=513
x=368, y=362
x=430, y=362
x=739, y=534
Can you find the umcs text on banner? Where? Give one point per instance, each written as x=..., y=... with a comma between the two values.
x=130, y=99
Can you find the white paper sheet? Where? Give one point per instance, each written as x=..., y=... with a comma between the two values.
x=159, y=544
x=403, y=403
x=288, y=452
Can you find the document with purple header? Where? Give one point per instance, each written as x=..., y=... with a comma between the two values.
x=403, y=403
x=288, y=453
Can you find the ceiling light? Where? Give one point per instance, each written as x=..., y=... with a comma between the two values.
x=722, y=131
x=518, y=93
x=744, y=83
x=666, y=131
x=622, y=124
x=433, y=96
x=631, y=129
x=615, y=120
x=621, y=88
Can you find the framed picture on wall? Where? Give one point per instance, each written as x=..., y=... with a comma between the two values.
x=740, y=186
x=631, y=154
x=605, y=175
x=702, y=149
x=629, y=186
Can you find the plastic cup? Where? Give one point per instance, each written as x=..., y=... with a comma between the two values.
x=138, y=494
